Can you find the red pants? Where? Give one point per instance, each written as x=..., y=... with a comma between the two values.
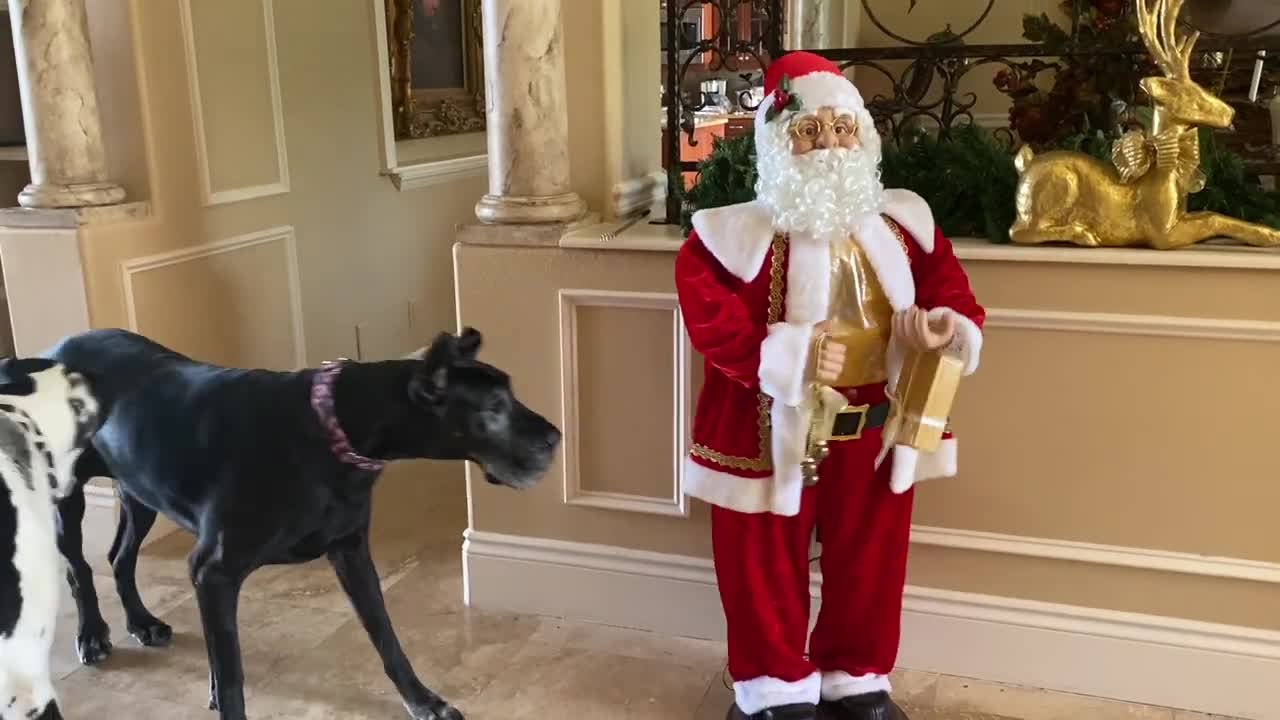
x=762, y=566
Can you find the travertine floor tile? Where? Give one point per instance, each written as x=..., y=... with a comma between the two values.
x=456, y=654
x=83, y=700
x=912, y=687
x=967, y=696
x=555, y=681
x=638, y=644
x=159, y=598
x=179, y=673
x=307, y=657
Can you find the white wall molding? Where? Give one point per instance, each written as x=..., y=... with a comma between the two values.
x=1097, y=554
x=420, y=175
x=638, y=194
x=650, y=237
x=232, y=195
x=1139, y=325
x=1133, y=657
x=283, y=234
x=1205, y=255
x=991, y=120
x=574, y=494
x=100, y=496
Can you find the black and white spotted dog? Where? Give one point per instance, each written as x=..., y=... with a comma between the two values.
x=47, y=417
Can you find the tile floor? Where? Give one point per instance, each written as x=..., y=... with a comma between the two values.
x=307, y=657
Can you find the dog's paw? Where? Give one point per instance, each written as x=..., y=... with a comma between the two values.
x=93, y=645
x=152, y=634
x=434, y=710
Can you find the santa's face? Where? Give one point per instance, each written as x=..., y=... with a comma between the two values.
x=819, y=171
x=823, y=130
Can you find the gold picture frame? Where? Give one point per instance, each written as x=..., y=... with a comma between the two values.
x=451, y=101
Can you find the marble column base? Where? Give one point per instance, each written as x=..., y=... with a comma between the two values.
x=510, y=210
x=75, y=195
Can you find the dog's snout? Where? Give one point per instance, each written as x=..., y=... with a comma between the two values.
x=553, y=437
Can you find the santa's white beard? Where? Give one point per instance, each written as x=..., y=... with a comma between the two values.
x=822, y=192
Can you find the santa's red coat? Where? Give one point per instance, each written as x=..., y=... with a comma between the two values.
x=750, y=298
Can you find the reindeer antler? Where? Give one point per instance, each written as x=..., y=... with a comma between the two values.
x=1158, y=25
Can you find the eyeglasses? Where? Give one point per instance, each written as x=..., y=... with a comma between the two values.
x=810, y=127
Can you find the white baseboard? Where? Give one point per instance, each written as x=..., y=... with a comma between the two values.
x=1132, y=657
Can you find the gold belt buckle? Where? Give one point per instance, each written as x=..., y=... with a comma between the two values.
x=862, y=421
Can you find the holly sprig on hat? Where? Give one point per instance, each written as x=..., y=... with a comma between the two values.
x=783, y=100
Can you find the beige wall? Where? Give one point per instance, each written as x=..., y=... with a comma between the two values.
x=1121, y=439
x=264, y=183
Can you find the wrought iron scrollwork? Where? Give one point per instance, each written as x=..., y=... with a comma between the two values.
x=726, y=52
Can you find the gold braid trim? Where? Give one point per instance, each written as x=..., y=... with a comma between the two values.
x=897, y=232
x=763, y=460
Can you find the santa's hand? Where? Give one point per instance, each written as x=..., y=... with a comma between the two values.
x=916, y=332
x=828, y=356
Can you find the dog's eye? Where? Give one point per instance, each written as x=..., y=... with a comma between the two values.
x=77, y=406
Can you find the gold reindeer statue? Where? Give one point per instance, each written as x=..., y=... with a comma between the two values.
x=1142, y=201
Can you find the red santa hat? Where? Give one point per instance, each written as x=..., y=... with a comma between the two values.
x=803, y=82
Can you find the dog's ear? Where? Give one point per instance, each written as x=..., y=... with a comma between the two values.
x=429, y=379
x=469, y=343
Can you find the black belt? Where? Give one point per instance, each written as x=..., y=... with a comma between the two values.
x=856, y=419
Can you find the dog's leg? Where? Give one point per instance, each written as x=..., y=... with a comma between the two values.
x=93, y=640
x=136, y=520
x=359, y=579
x=46, y=700
x=218, y=595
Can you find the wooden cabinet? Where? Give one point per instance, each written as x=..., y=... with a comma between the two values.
x=704, y=139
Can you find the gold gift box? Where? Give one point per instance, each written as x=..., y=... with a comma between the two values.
x=924, y=396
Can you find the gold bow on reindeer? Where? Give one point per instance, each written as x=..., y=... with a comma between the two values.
x=1136, y=152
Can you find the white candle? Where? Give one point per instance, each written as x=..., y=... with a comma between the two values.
x=1257, y=75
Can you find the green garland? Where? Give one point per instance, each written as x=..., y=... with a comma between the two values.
x=969, y=179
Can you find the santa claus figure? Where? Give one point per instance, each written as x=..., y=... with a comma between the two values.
x=827, y=280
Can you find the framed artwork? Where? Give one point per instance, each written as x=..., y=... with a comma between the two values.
x=437, y=67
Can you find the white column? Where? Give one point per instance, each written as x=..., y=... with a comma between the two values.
x=59, y=106
x=526, y=114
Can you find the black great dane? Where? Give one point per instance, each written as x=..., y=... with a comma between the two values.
x=269, y=468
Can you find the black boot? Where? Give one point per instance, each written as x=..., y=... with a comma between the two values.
x=868, y=706
x=798, y=711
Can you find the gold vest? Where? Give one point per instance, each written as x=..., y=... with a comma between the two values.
x=861, y=316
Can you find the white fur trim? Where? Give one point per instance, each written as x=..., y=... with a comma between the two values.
x=839, y=684
x=940, y=463
x=910, y=466
x=744, y=495
x=889, y=259
x=789, y=427
x=903, y=475
x=756, y=694
x=913, y=213
x=737, y=236
x=967, y=342
x=808, y=280
x=784, y=357
x=819, y=89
